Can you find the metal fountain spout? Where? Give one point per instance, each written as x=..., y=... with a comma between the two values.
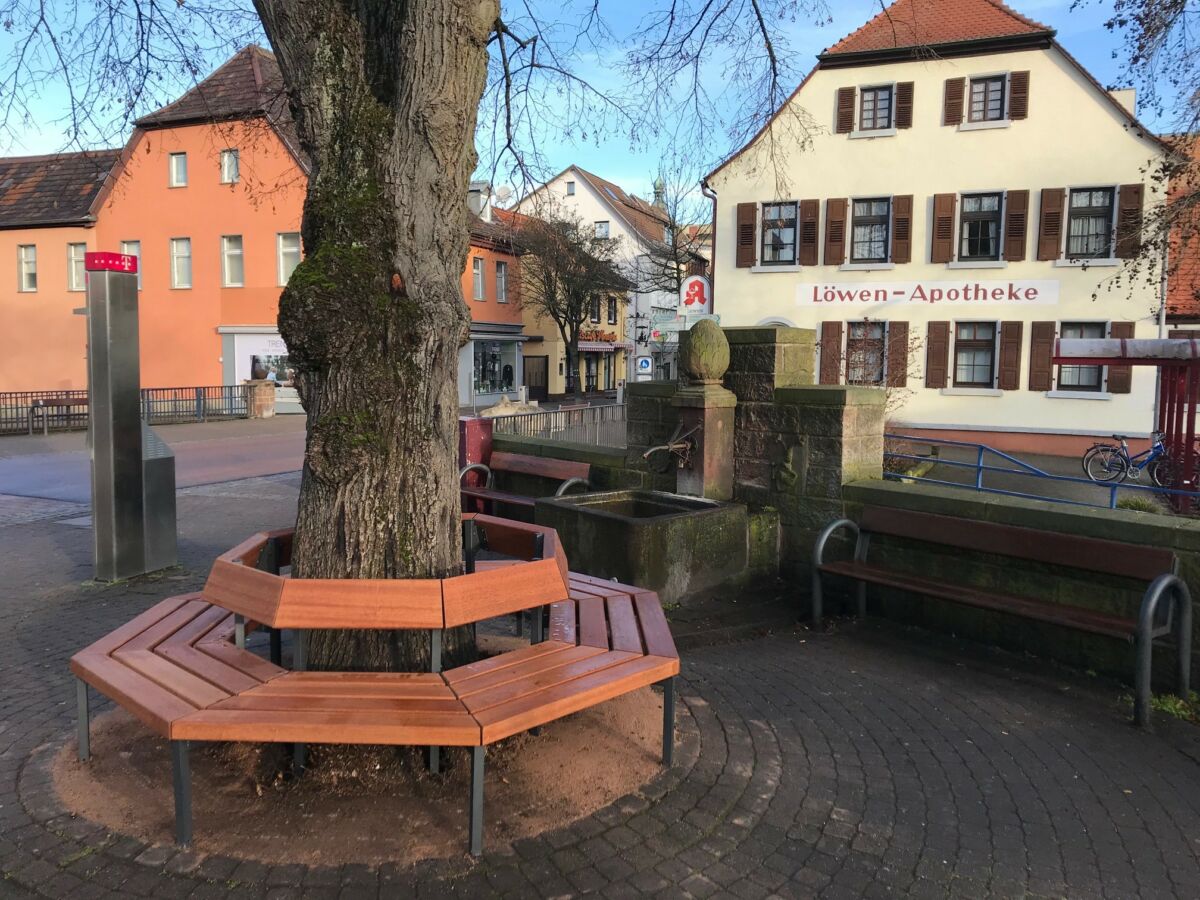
x=677, y=446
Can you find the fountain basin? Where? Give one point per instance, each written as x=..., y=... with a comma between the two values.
x=674, y=545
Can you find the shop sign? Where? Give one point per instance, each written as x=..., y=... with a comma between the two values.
x=596, y=335
x=964, y=293
x=695, y=295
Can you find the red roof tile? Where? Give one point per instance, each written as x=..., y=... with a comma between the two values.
x=931, y=23
x=1183, y=273
x=52, y=190
x=645, y=218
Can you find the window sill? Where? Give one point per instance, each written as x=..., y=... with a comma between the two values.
x=788, y=268
x=224, y=286
x=173, y=187
x=874, y=133
x=866, y=267
x=984, y=126
x=1107, y=262
x=978, y=264
x=971, y=392
x=1079, y=395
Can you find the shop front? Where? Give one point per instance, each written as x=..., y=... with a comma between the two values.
x=490, y=366
x=601, y=360
x=253, y=352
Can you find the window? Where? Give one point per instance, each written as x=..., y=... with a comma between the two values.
x=594, y=310
x=869, y=238
x=178, y=169
x=864, y=353
x=875, y=108
x=612, y=310
x=230, y=167
x=27, y=267
x=76, y=273
x=975, y=354
x=233, y=269
x=181, y=262
x=288, y=253
x=1081, y=378
x=602, y=231
x=778, y=234
x=987, y=99
x=134, y=248
x=979, y=231
x=1089, y=223
x=570, y=189
x=501, y=282
x=495, y=366
x=477, y=292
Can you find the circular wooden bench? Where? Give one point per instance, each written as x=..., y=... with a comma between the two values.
x=182, y=668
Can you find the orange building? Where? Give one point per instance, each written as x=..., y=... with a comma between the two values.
x=208, y=193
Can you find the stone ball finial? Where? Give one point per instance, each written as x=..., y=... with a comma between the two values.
x=705, y=354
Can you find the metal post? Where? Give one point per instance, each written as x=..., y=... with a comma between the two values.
x=1183, y=639
x=299, y=663
x=470, y=535
x=477, y=801
x=435, y=665
x=81, y=704
x=668, y=747
x=276, y=646
x=181, y=777
x=239, y=631
x=979, y=469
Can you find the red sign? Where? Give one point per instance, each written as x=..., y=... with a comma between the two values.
x=110, y=262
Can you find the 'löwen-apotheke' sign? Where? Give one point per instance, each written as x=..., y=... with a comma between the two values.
x=963, y=293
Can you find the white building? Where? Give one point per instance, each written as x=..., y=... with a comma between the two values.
x=969, y=193
x=650, y=316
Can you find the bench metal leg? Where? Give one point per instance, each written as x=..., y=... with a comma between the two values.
x=84, y=725
x=276, y=647
x=817, y=599
x=435, y=665
x=860, y=596
x=538, y=631
x=668, y=747
x=299, y=663
x=239, y=631
x=477, y=801
x=181, y=776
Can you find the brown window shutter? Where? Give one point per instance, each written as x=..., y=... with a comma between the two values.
x=835, y=232
x=831, y=353
x=1120, y=378
x=952, y=102
x=902, y=229
x=1016, y=224
x=1018, y=95
x=937, y=355
x=1050, y=225
x=1041, y=352
x=810, y=214
x=1129, y=221
x=897, y=354
x=1010, y=356
x=942, y=249
x=845, y=110
x=746, y=243
x=904, y=104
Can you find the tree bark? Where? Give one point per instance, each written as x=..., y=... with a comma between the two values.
x=384, y=95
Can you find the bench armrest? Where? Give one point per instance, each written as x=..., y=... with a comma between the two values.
x=828, y=532
x=570, y=483
x=476, y=467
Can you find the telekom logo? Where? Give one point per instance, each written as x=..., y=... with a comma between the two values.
x=110, y=262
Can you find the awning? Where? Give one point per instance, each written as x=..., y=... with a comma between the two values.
x=604, y=346
x=494, y=336
x=1154, y=351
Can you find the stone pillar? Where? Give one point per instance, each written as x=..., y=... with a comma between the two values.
x=706, y=412
x=651, y=419
x=260, y=398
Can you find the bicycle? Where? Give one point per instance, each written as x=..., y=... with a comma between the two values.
x=1106, y=463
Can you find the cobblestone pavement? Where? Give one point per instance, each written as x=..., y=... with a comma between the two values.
x=865, y=763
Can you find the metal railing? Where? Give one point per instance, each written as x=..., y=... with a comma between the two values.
x=1108, y=493
x=68, y=410
x=601, y=426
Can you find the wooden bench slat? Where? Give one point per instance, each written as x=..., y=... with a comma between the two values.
x=524, y=670
x=287, y=686
x=154, y=706
x=591, y=582
x=593, y=626
x=209, y=668
x=344, y=678
x=497, y=496
x=1053, y=613
x=171, y=677
x=419, y=729
x=473, y=598
x=135, y=626
x=242, y=589
x=254, y=666
x=533, y=710
x=563, y=621
x=382, y=706
x=504, y=660
x=655, y=630
x=543, y=466
x=622, y=624
x=165, y=628
x=354, y=603
x=536, y=682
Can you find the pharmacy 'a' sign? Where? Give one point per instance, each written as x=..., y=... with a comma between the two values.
x=695, y=296
x=962, y=293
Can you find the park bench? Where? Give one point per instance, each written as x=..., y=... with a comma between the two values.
x=1152, y=566
x=45, y=407
x=569, y=474
x=182, y=667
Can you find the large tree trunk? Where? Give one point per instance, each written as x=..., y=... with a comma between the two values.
x=385, y=95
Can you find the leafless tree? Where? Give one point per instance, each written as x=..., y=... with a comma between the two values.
x=687, y=214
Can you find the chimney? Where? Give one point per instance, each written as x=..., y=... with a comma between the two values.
x=660, y=193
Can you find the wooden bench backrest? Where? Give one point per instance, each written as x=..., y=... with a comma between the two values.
x=558, y=469
x=1094, y=554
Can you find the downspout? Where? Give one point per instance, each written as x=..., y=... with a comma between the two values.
x=1162, y=325
x=708, y=192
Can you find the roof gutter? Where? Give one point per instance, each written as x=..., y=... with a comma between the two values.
x=1038, y=40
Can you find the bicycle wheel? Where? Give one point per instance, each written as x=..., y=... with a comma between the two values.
x=1106, y=465
x=1161, y=472
x=1092, y=451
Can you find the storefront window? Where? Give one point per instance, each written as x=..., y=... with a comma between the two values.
x=495, y=366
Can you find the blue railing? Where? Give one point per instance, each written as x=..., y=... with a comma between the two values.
x=981, y=466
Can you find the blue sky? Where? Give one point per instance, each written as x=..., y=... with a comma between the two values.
x=1080, y=30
